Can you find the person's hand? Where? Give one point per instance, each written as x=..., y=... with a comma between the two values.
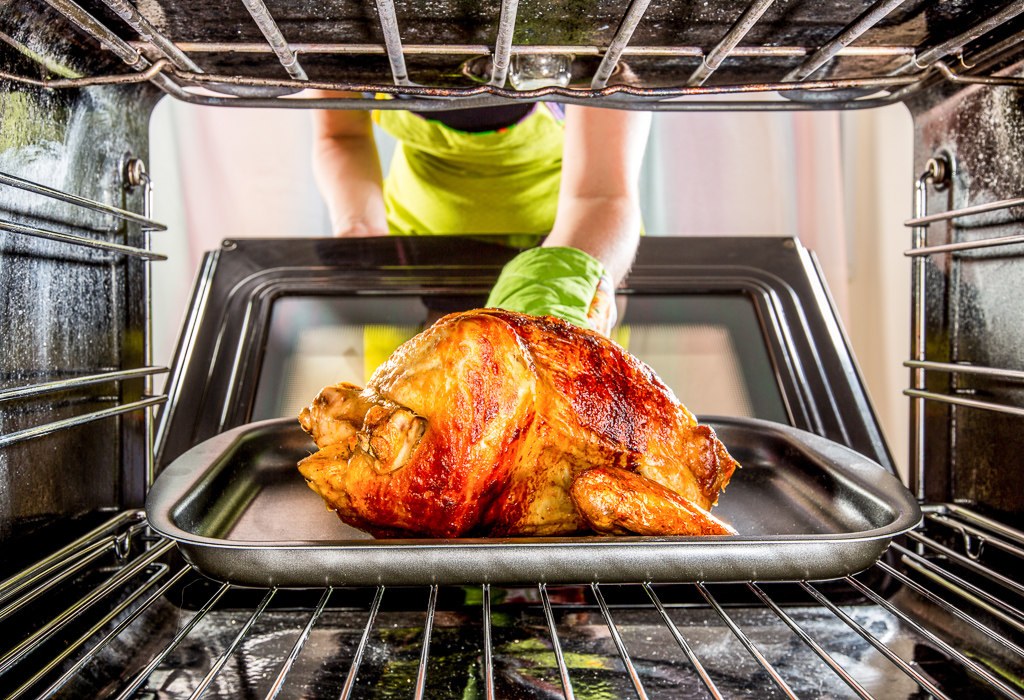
x=347, y=171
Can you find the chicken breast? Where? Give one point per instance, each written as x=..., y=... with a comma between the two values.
x=494, y=423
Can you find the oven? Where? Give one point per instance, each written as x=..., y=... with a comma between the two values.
x=95, y=603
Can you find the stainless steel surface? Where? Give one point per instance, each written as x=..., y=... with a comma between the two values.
x=747, y=644
x=710, y=63
x=241, y=513
x=966, y=211
x=285, y=646
x=623, y=34
x=393, y=41
x=64, y=384
x=22, y=229
x=872, y=16
x=36, y=188
x=126, y=11
x=502, y=44
x=527, y=49
x=958, y=42
x=81, y=419
x=265, y=21
x=964, y=401
x=964, y=245
x=966, y=369
x=549, y=617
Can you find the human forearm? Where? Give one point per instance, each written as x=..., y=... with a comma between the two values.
x=347, y=171
x=605, y=227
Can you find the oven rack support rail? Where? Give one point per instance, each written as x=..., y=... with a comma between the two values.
x=134, y=175
x=936, y=572
x=178, y=75
x=936, y=174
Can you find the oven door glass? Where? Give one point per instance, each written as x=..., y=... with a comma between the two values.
x=709, y=348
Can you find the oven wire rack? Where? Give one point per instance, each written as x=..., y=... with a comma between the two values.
x=167, y=65
x=941, y=563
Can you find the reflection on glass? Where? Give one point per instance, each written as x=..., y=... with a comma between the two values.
x=709, y=349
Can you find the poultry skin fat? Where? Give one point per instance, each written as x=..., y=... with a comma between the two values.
x=494, y=423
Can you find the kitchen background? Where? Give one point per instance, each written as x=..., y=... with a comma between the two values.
x=838, y=181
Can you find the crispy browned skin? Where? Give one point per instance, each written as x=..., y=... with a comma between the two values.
x=480, y=425
x=619, y=502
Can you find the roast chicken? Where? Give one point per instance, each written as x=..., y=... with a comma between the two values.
x=493, y=423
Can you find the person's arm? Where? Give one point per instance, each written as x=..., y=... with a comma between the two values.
x=347, y=171
x=597, y=225
x=599, y=200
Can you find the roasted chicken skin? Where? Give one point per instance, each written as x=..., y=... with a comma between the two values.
x=495, y=423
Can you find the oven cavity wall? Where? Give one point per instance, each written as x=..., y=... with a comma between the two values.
x=73, y=305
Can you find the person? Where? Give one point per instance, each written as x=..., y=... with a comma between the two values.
x=525, y=172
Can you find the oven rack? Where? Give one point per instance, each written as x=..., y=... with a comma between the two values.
x=134, y=175
x=167, y=64
x=943, y=565
x=937, y=174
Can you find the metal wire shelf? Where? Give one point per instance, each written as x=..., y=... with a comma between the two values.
x=935, y=574
x=167, y=64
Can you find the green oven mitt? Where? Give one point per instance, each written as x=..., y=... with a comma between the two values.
x=562, y=282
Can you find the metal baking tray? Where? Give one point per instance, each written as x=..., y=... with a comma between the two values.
x=806, y=508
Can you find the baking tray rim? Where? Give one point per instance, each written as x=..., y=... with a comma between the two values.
x=908, y=514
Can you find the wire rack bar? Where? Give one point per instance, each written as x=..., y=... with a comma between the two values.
x=965, y=211
x=33, y=642
x=872, y=16
x=961, y=368
x=353, y=671
x=809, y=641
x=299, y=643
x=888, y=653
x=75, y=382
x=144, y=674
x=970, y=532
x=556, y=646
x=1005, y=531
x=976, y=668
x=161, y=569
x=526, y=49
x=619, y=644
x=120, y=48
x=215, y=670
x=961, y=40
x=968, y=403
x=265, y=21
x=12, y=227
x=964, y=245
x=393, y=41
x=674, y=630
x=950, y=608
x=965, y=589
x=488, y=652
x=86, y=557
x=99, y=646
x=734, y=36
x=126, y=11
x=634, y=14
x=83, y=202
x=428, y=628
x=44, y=567
x=503, y=43
x=968, y=563
x=747, y=644
x=47, y=428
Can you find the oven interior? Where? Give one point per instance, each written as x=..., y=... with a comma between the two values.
x=94, y=604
